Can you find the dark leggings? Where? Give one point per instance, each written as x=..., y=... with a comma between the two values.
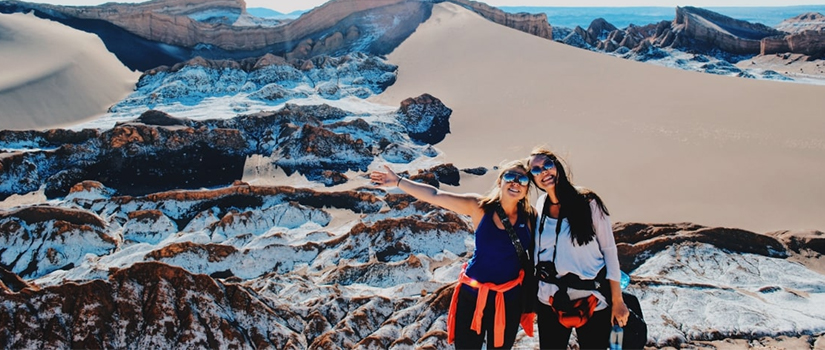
x=466, y=338
x=595, y=334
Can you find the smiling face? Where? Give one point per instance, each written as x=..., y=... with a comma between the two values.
x=514, y=183
x=544, y=171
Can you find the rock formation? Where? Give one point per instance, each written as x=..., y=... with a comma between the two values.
x=807, y=21
x=535, y=24
x=728, y=34
x=158, y=152
x=176, y=22
x=244, y=271
x=809, y=42
x=197, y=28
x=425, y=118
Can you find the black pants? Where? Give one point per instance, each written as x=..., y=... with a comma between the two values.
x=595, y=334
x=466, y=338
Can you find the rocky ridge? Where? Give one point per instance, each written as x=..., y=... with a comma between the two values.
x=253, y=266
x=268, y=80
x=693, y=28
x=702, y=40
x=219, y=29
x=535, y=24
x=158, y=152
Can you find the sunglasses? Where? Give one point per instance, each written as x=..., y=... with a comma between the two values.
x=521, y=179
x=536, y=171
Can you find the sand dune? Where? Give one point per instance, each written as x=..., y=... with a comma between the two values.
x=659, y=144
x=54, y=75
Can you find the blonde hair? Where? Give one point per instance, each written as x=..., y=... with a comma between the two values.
x=491, y=199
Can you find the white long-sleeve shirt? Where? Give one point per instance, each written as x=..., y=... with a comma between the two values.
x=582, y=260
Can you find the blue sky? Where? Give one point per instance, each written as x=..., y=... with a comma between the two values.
x=286, y=6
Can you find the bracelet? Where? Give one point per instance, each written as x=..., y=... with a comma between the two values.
x=399, y=181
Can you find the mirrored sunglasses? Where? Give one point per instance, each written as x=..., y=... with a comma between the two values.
x=521, y=179
x=536, y=171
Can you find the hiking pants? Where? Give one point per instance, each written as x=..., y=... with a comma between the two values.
x=466, y=338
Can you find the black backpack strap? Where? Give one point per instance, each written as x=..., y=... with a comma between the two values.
x=523, y=255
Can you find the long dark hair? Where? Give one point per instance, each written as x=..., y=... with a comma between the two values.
x=575, y=202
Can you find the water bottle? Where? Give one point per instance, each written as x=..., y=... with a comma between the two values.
x=616, y=336
x=624, y=281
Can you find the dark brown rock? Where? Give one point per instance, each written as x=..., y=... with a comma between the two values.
x=426, y=118
x=636, y=242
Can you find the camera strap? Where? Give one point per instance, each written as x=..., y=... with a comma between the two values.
x=523, y=255
x=544, y=210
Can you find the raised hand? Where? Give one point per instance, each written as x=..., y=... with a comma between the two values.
x=388, y=178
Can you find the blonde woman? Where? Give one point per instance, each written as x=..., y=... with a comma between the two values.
x=494, y=273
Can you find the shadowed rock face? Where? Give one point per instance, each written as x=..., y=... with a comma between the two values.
x=426, y=118
x=636, y=242
x=158, y=152
x=808, y=42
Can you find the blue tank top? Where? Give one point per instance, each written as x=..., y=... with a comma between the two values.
x=495, y=259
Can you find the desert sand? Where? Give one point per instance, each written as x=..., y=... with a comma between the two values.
x=658, y=144
x=53, y=75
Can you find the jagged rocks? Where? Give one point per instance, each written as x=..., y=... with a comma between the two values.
x=148, y=226
x=392, y=240
x=635, y=241
x=312, y=150
x=35, y=241
x=425, y=118
x=149, y=305
x=807, y=21
x=600, y=28
x=158, y=152
x=268, y=78
x=579, y=38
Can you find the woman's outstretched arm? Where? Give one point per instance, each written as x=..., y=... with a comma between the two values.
x=466, y=204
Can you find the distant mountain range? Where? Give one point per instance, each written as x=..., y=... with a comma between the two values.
x=622, y=17
x=146, y=35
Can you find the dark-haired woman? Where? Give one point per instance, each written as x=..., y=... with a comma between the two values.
x=494, y=273
x=576, y=260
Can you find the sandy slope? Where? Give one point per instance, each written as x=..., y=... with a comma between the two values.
x=659, y=144
x=52, y=75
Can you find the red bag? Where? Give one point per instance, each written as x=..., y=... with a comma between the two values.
x=579, y=313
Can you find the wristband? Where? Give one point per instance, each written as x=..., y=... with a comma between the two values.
x=399, y=181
